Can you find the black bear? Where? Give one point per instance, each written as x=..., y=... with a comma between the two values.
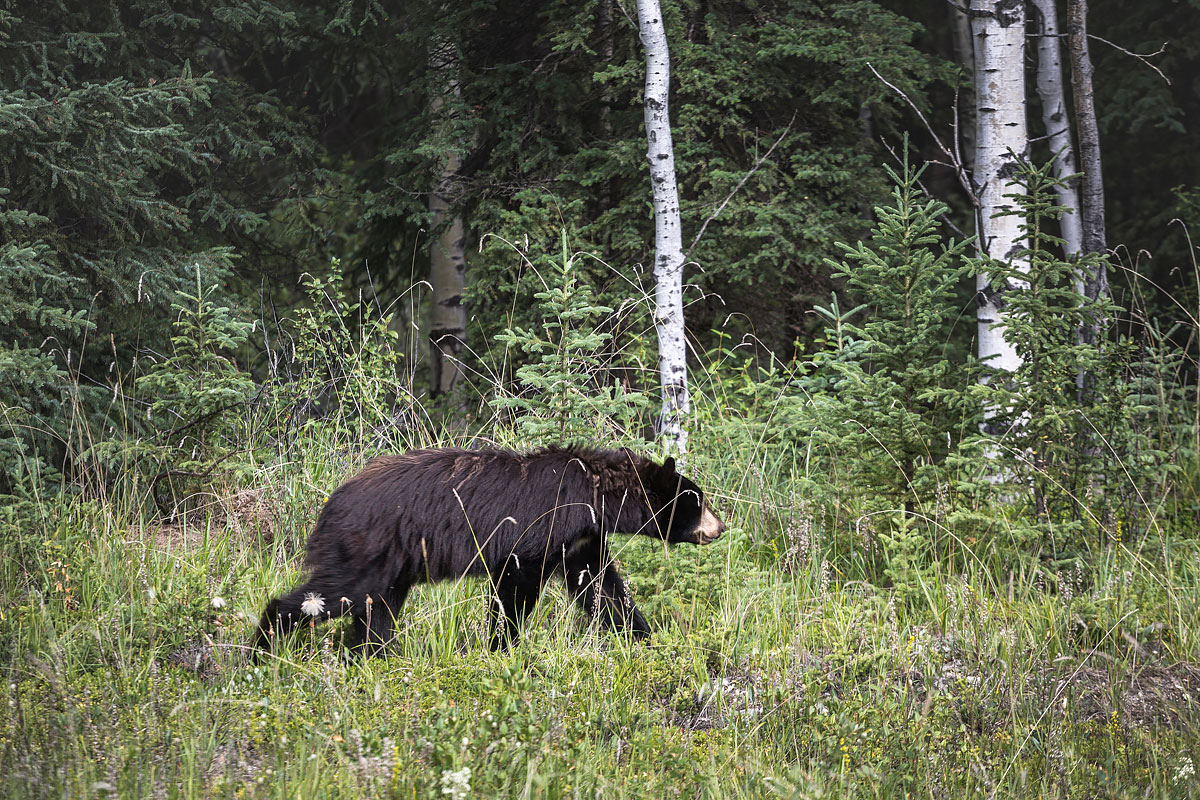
x=439, y=514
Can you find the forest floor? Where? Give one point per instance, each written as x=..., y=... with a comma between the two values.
x=769, y=675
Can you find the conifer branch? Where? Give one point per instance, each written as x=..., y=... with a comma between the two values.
x=737, y=188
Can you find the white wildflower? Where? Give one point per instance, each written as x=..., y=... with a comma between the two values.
x=1186, y=770
x=313, y=604
x=456, y=784
x=218, y=602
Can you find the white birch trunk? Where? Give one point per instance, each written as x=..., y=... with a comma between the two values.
x=998, y=29
x=668, y=234
x=447, y=253
x=1058, y=127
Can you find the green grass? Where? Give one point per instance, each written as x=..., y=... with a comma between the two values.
x=121, y=678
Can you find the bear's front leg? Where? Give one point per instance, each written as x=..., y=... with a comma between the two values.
x=514, y=594
x=593, y=580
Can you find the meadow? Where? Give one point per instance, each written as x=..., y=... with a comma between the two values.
x=956, y=441
x=774, y=670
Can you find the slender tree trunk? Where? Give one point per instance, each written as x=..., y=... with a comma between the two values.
x=964, y=52
x=447, y=257
x=607, y=35
x=866, y=128
x=998, y=28
x=1094, y=239
x=668, y=234
x=1050, y=88
x=1095, y=279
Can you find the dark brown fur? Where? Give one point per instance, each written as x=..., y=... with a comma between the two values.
x=431, y=515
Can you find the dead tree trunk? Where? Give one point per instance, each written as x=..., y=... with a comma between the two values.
x=964, y=53
x=1092, y=200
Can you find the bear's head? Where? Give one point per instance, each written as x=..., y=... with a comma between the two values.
x=679, y=511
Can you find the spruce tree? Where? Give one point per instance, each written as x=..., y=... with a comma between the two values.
x=565, y=392
x=901, y=402
x=1047, y=432
x=130, y=158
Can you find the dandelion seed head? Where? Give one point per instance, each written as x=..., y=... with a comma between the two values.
x=313, y=604
x=218, y=602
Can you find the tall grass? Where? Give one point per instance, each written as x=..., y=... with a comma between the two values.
x=785, y=662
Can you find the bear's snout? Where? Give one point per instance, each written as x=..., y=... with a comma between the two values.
x=710, y=528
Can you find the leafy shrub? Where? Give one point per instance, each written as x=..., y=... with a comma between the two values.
x=343, y=369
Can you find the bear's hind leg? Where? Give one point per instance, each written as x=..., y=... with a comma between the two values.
x=311, y=600
x=515, y=592
x=373, y=621
x=594, y=582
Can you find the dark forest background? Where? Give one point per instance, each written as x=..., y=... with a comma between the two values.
x=146, y=148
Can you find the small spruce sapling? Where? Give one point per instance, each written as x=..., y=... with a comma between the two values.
x=562, y=394
x=1043, y=428
x=195, y=395
x=1158, y=441
x=899, y=404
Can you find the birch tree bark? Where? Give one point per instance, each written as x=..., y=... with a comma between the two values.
x=1094, y=239
x=668, y=234
x=998, y=28
x=447, y=256
x=1058, y=126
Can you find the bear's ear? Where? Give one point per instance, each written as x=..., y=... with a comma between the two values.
x=669, y=464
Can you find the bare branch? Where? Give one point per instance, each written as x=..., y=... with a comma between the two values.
x=737, y=188
x=1142, y=57
x=1139, y=56
x=959, y=169
x=957, y=157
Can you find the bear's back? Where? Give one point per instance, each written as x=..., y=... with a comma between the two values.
x=437, y=504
